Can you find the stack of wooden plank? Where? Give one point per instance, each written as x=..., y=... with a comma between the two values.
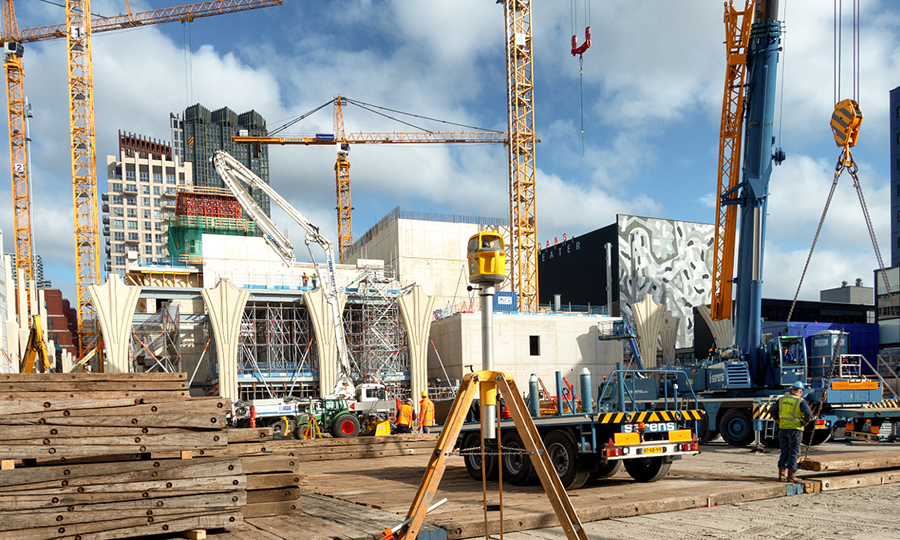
x=273, y=485
x=120, y=499
x=78, y=457
x=64, y=415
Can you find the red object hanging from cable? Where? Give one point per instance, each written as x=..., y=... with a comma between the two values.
x=576, y=49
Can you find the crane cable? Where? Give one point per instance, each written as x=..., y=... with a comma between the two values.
x=578, y=50
x=845, y=161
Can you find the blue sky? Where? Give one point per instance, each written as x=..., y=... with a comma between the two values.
x=653, y=83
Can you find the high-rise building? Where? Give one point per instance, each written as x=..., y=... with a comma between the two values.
x=895, y=176
x=37, y=272
x=142, y=186
x=201, y=132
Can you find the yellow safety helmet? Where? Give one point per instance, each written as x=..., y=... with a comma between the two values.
x=424, y=393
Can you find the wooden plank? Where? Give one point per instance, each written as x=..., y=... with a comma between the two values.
x=138, y=488
x=179, y=438
x=60, y=377
x=50, y=387
x=273, y=495
x=27, y=504
x=138, y=395
x=141, y=526
x=78, y=451
x=273, y=480
x=236, y=435
x=196, y=534
x=269, y=464
x=270, y=508
x=15, y=433
x=45, y=406
x=857, y=480
x=18, y=502
x=63, y=517
x=35, y=478
x=7, y=464
x=852, y=461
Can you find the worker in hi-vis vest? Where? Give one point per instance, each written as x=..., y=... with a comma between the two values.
x=792, y=413
x=407, y=417
x=426, y=412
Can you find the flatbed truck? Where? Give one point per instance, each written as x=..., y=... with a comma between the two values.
x=591, y=444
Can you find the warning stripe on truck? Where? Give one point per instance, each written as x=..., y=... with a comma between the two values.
x=649, y=416
x=889, y=404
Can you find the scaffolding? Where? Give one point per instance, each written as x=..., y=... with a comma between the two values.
x=277, y=354
x=155, y=342
x=376, y=337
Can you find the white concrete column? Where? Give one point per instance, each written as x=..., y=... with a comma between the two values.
x=115, y=303
x=417, y=310
x=647, y=317
x=225, y=304
x=322, y=321
x=668, y=335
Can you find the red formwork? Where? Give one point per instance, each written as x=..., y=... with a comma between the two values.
x=208, y=202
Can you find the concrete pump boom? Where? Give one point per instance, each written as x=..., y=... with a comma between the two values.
x=232, y=173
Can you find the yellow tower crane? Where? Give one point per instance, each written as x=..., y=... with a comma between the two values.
x=522, y=140
x=18, y=151
x=342, y=165
x=78, y=30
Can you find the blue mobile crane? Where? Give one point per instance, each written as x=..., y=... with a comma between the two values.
x=735, y=380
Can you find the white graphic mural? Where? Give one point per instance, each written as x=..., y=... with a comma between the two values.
x=669, y=260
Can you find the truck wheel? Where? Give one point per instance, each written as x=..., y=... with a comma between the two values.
x=816, y=437
x=736, y=427
x=647, y=469
x=607, y=470
x=561, y=451
x=345, y=426
x=471, y=449
x=704, y=434
x=517, y=467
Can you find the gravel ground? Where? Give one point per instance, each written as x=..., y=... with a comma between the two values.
x=870, y=513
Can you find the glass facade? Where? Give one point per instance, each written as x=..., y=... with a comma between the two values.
x=201, y=132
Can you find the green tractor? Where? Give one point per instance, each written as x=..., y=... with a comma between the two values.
x=327, y=415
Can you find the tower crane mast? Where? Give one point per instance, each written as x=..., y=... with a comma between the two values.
x=520, y=119
x=78, y=30
x=18, y=151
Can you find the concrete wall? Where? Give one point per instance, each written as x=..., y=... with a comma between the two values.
x=431, y=254
x=568, y=343
x=250, y=262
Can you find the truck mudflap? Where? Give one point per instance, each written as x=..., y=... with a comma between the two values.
x=633, y=445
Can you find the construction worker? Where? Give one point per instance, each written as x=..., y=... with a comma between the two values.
x=426, y=412
x=791, y=412
x=407, y=417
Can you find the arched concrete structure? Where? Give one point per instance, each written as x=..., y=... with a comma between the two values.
x=668, y=335
x=647, y=317
x=115, y=303
x=417, y=309
x=225, y=305
x=322, y=321
x=722, y=331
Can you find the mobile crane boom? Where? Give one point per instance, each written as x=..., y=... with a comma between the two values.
x=233, y=172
